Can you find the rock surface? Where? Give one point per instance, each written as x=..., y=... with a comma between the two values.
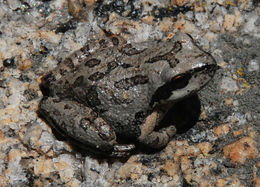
x=220, y=148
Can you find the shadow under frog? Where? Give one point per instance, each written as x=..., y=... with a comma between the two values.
x=105, y=100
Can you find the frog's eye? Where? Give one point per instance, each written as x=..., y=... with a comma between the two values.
x=164, y=92
x=180, y=81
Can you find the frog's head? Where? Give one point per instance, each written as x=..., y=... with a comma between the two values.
x=195, y=68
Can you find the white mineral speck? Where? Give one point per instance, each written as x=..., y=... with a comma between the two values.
x=14, y=4
x=229, y=84
x=47, y=141
x=66, y=164
x=249, y=25
x=253, y=65
x=202, y=19
x=189, y=15
x=99, y=174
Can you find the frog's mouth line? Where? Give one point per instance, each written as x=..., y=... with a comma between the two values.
x=184, y=85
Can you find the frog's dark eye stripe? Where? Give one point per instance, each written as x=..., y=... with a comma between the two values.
x=165, y=91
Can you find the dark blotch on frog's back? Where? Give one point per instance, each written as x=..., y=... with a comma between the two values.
x=96, y=76
x=111, y=65
x=125, y=66
x=129, y=50
x=92, y=97
x=92, y=62
x=130, y=82
x=168, y=57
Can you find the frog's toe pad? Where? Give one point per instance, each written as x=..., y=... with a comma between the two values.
x=171, y=130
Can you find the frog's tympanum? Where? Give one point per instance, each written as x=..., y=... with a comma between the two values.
x=99, y=97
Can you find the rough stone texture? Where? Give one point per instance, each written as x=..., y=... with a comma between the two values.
x=241, y=150
x=221, y=148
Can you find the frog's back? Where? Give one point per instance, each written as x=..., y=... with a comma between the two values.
x=119, y=83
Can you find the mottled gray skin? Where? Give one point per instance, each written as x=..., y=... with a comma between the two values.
x=123, y=90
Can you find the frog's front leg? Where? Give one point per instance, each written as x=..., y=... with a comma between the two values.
x=83, y=126
x=155, y=139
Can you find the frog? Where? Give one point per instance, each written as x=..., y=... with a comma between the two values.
x=107, y=97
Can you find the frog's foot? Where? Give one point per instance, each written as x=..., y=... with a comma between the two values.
x=155, y=139
x=122, y=150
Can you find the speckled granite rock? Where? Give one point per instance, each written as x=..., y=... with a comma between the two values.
x=220, y=148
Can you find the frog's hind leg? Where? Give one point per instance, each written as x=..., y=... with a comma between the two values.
x=82, y=126
x=155, y=139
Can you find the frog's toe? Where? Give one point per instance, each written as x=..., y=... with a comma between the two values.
x=170, y=131
x=158, y=139
x=122, y=150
